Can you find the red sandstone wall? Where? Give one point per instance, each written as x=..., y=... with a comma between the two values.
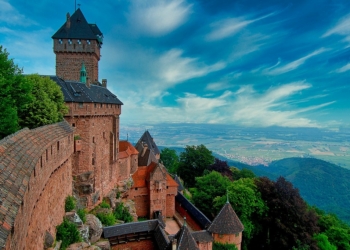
x=136, y=245
x=43, y=202
x=100, y=141
x=229, y=238
x=142, y=206
x=69, y=59
x=190, y=221
x=170, y=206
x=205, y=246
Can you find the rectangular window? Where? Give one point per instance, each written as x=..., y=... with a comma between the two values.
x=58, y=146
x=101, y=105
x=47, y=155
x=81, y=104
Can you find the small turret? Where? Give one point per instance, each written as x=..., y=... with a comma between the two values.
x=83, y=73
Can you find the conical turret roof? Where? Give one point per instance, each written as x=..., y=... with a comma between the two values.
x=226, y=222
x=185, y=240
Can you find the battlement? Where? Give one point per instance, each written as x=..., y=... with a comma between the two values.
x=77, y=46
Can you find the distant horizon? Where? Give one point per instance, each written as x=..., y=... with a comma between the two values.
x=248, y=63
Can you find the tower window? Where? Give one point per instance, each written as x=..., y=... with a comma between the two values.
x=69, y=41
x=79, y=42
x=88, y=42
x=81, y=104
x=60, y=41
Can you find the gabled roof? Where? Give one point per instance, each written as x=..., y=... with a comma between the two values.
x=132, y=227
x=78, y=29
x=147, y=138
x=185, y=240
x=180, y=187
x=126, y=149
x=226, y=222
x=79, y=92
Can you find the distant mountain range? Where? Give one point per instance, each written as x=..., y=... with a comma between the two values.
x=320, y=183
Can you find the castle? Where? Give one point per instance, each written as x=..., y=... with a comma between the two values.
x=83, y=156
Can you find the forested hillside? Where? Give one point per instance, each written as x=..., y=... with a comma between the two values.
x=320, y=183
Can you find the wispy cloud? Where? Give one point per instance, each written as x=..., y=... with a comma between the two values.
x=10, y=16
x=176, y=68
x=343, y=69
x=277, y=69
x=229, y=27
x=158, y=17
x=341, y=28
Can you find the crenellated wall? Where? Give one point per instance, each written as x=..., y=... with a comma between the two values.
x=35, y=178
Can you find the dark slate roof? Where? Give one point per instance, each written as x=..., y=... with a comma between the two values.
x=145, y=158
x=79, y=92
x=226, y=222
x=180, y=187
x=147, y=138
x=19, y=154
x=128, y=228
x=185, y=240
x=202, y=236
x=79, y=29
x=195, y=213
x=161, y=238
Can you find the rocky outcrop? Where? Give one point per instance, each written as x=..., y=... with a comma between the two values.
x=49, y=240
x=74, y=218
x=84, y=232
x=103, y=245
x=95, y=227
x=82, y=246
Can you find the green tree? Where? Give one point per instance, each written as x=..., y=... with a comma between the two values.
x=220, y=246
x=170, y=159
x=47, y=105
x=193, y=161
x=244, y=173
x=247, y=202
x=68, y=233
x=323, y=242
x=15, y=93
x=206, y=189
x=289, y=222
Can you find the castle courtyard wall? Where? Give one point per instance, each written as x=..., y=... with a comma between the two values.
x=35, y=178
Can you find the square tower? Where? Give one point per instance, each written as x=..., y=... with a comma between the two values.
x=75, y=43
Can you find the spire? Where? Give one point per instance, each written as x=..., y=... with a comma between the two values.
x=83, y=73
x=227, y=201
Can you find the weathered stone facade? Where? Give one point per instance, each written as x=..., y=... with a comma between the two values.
x=35, y=178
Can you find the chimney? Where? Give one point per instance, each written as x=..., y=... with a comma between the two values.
x=104, y=83
x=87, y=82
x=174, y=243
x=145, y=147
x=68, y=21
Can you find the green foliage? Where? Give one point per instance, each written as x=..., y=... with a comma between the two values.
x=68, y=233
x=107, y=219
x=323, y=243
x=170, y=159
x=206, y=189
x=69, y=203
x=15, y=94
x=104, y=204
x=82, y=214
x=289, y=221
x=247, y=203
x=220, y=246
x=193, y=161
x=47, y=105
x=122, y=213
x=244, y=173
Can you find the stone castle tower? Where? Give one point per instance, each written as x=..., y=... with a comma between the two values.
x=75, y=43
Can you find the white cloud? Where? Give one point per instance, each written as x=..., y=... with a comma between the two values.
x=158, y=17
x=342, y=28
x=343, y=69
x=10, y=16
x=275, y=70
x=175, y=68
x=229, y=27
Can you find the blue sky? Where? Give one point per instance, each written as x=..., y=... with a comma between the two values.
x=243, y=62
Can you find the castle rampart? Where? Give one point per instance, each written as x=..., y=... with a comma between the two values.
x=35, y=178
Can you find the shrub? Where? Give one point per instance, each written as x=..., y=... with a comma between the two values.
x=82, y=214
x=106, y=219
x=104, y=204
x=69, y=203
x=122, y=213
x=68, y=233
x=226, y=246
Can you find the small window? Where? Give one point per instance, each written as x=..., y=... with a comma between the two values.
x=93, y=161
x=93, y=139
x=58, y=146
x=47, y=155
x=41, y=161
x=103, y=135
x=95, y=105
x=136, y=189
x=51, y=149
x=73, y=125
x=81, y=104
x=101, y=105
